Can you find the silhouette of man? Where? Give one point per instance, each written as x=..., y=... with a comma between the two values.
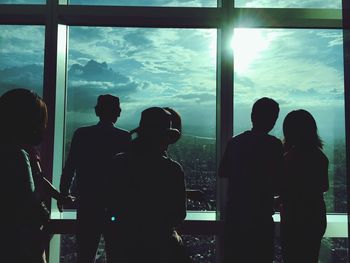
x=253, y=163
x=151, y=202
x=92, y=149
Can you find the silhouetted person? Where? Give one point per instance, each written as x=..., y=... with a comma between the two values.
x=91, y=150
x=23, y=118
x=303, y=218
x=252, y=162
x=148, y=198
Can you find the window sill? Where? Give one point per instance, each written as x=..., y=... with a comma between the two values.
x=201, y=223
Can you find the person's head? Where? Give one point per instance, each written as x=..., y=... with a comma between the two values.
x=300, y=129
x=264, y=114
x=155, y=128
x=23, y=117
x=108, y=108
x=176, y=123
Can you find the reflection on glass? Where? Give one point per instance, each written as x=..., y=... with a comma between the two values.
x=26, y=2
x=22, y=57
x=300, y=69
x=176, y=3
x=150, y=67
x=322, y=4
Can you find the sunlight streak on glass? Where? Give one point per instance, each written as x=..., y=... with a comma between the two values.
x=247, y=45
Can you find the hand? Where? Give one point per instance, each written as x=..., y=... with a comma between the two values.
x=64, y=200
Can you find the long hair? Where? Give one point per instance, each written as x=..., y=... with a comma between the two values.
x=300, y=129
x=23, y=117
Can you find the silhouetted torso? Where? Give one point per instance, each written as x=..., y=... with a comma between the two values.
x=303, y=221
x=149, y=203
x=305, y=180
x=253, y=163
x=91, y=150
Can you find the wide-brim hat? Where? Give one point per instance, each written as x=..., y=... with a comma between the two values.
x=156, y=121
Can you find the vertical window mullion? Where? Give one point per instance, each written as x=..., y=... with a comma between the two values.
x=346, y=39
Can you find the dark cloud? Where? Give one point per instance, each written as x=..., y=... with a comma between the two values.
x=94, y=71
x=87, y=82
x=28, y=76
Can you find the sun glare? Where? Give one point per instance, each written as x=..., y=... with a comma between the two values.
x=247, y=44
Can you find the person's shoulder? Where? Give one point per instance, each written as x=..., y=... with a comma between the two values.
x=239, y=137
x=172, y=164
x=84, y=129
x=122, y=132
x=274, y=140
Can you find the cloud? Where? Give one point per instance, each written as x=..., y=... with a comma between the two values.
x=28, y=76
x=21, y=45
x=292, y=67
x=197, y=97
x=87, y=82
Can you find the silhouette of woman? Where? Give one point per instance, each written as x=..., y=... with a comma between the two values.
x=148, y=180
x=23, y=118
x=303, y=217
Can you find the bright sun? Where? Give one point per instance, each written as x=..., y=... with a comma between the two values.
x=247, y=45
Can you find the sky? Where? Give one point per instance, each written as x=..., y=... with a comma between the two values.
x=300, y=68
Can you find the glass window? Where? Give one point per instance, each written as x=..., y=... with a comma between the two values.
x=176, y=3
x=299, y=68
x=336, y=4
x=22, y=57
x=151, y=67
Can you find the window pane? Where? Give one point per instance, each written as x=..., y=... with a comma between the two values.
x=300, y=69
x=42, y=2
x=289, y=3
x=201, y=249
x=22, y=57
x=179, y=3
x=151, y=67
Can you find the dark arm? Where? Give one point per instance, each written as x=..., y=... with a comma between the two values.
x=68, y=172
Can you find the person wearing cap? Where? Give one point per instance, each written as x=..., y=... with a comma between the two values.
x=153, y=195
x=92, y=149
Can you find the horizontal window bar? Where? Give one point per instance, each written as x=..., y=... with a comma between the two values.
x=203, y=223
